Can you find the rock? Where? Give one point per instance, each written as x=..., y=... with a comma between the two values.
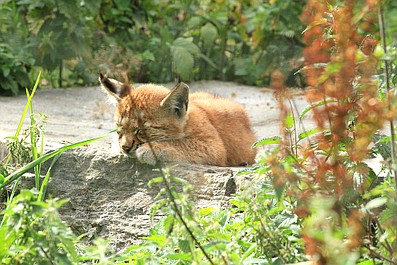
x=109, y=194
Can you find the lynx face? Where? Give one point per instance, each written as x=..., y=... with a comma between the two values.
x=147, y=113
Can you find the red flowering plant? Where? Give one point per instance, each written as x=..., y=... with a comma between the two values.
x=348, y=211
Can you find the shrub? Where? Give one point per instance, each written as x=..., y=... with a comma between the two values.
x=152, y=41
x=16, y=62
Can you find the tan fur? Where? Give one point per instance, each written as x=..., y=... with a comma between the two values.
x=200, y=128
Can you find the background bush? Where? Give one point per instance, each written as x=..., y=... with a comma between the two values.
x=142, y=41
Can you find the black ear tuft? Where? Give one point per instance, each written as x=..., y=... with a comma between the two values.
x=108, y=84
x=114, y=88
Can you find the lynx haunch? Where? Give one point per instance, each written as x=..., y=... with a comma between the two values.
x=200, y=128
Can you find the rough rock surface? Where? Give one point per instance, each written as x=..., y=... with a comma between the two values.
x=109, y=195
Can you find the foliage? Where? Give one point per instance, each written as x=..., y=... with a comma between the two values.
x=154, y=41
x=59, y=31
x=31, y=231
x=337, y=191
x=16, y=62
x=150, y=41
x=263, y=231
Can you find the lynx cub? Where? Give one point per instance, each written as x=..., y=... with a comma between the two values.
x=200, y=128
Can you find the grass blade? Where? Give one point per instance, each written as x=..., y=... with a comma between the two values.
x=44, y=184
x=310, y=107
x=268, y=141
x=25, y=110
x=18, y=173
x=33, y=142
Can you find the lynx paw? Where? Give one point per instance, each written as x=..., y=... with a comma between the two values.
x=145, y=154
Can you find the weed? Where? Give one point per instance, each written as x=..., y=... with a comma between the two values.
x=30, y=228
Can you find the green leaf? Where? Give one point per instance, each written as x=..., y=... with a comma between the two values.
x=6, y=71
x=183, y=60
x=155, y=180
x=7, y=238
x=267, y=141
x=375, y=203
x=239, y=203
x=289, y=121
x=208, y=34
x=25, y=110
x=158, y=239
x=168, y=222
x=249, y=251
x=313, y=106
x=308, y=133
x=180, y=256
x=148, y=55
x=44, y=184
x=179, y=180
x=184, y=245
x=315, y=23
x=155, y=207
x=206, y=211
x=366, y=262
x=208, y=60
x=92, y=5
x=187, y=44
x=194, y=22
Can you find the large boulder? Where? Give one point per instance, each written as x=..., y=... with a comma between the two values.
x=109, y=195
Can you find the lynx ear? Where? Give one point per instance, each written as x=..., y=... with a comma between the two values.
x=113, y=87
x=177, y=100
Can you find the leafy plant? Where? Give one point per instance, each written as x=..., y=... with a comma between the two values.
x=59, y=31
x=264, y=230
x=16, y=62
x=325, y=169
x=30, y=228
x=33, y=233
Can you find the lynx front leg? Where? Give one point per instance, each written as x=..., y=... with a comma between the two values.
x=145, y=154
x=183, y=151
x=163, y=151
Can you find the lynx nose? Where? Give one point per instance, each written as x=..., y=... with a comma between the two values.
x=126, y=148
